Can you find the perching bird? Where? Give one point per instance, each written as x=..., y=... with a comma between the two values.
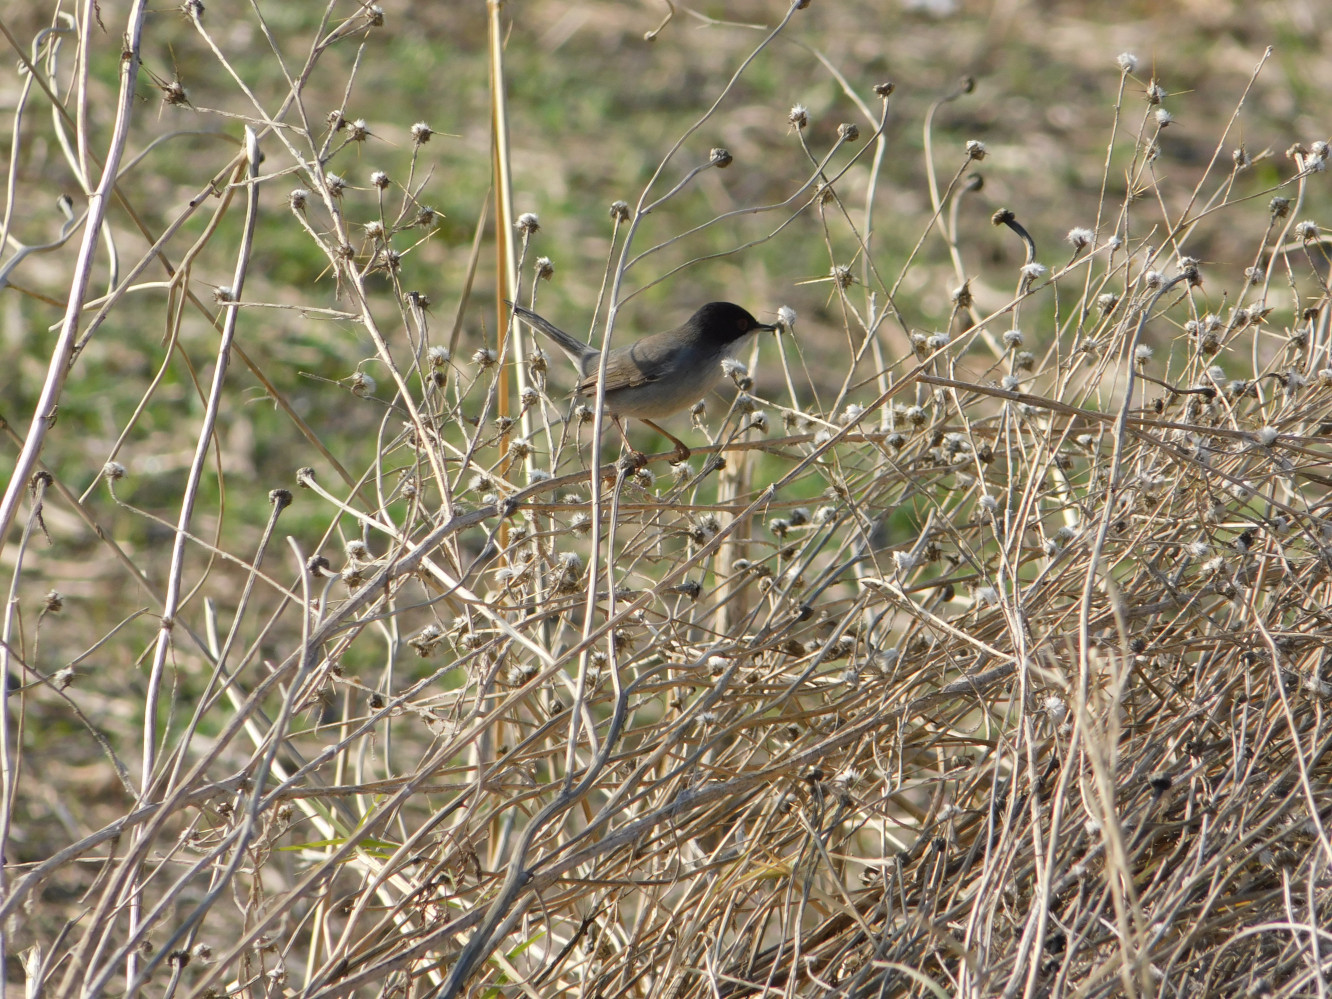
x=662, y=373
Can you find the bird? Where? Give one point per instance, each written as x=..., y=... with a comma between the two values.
x=661, y=373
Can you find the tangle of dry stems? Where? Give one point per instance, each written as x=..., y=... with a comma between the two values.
x=1003, y=671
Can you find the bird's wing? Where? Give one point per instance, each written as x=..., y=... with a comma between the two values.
x=651, y=359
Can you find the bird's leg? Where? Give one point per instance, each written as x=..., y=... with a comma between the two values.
x=681, y=452
x=636, y=457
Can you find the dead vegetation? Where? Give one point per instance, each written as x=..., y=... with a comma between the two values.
x=991, y=662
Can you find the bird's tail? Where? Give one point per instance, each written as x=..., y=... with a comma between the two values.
x=578, y=351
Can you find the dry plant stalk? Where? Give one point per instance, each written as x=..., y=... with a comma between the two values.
x=995, y=664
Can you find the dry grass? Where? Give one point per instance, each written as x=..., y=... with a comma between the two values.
x=977, y=655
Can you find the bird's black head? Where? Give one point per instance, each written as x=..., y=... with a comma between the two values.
x=722, y=322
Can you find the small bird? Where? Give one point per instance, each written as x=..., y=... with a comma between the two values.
x=662, y=373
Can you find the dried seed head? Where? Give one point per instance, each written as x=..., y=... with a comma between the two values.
x=421, y=133
x=799, y=116
x=1306, y=230
x=427, y=640
x=1081, y=237
x=173, y=93
x=799, y=516
x=521, y=673
x=528, y=223
x=379, y=179
x=362, y=385
x=1013, y=338
x=545, y=268
x=1163, y=118
x=1155, y=93
x=720, y=158
x=884, y=89
x=358, y=131
x=734, y=369
x=438, y=356
x=1279, y=207
x=1128, y=62
x=848, y=131
x=976, y=150
x=335, y=185
x=297, y=199
x=485, y=358
x=1024, y=360
x=619, y=211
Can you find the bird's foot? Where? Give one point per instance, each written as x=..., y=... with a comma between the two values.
x=681, y=455
x=632, y=462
